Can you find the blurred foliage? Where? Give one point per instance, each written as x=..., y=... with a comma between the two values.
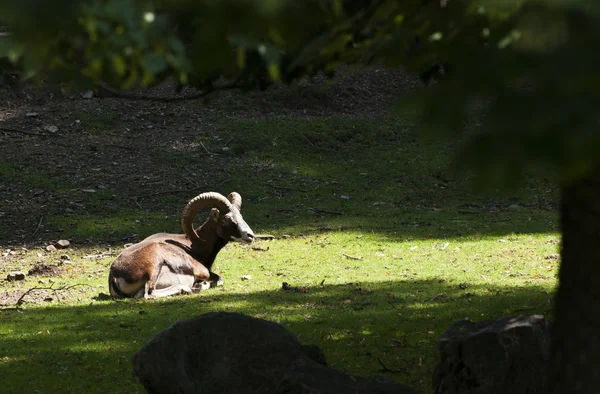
x=520, y=89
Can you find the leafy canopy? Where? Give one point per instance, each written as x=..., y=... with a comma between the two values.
x=521, y=91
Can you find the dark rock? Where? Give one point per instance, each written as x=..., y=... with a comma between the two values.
x=233, y=353
x=507, y=355
x=15, y=276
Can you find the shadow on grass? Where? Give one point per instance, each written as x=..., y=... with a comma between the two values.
x=360, y=327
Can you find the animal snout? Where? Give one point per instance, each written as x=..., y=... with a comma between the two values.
x=248, y=237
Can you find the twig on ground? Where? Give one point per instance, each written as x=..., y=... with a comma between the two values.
x=138, y=204
x=119, y=146
x=224, y=182
x=527, y=308
x=264, y=236
x=164, y=193
x=204, y=147
x=11, y=130
x=319, y=210
x=307, y=140
x=38, y=227
x=386, y=369
x=192, y=181
x=287, y=188
x=98, y=256
x=21, y=299
x=352, y=257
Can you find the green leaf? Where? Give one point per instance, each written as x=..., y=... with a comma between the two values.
x=119, y=65
x=274, y=72
x=154, y=63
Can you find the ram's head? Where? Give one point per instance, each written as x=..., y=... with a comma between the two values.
x=225, y=214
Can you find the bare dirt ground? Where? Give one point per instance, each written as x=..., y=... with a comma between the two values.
x=118, y=144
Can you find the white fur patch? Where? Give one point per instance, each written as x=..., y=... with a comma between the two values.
x=127, y=288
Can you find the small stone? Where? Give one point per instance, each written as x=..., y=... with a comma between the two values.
x=31, y=114
x=52, y=129
x=64, y=257
x=15, y=276
x=285, y=236
x=62, y=244
x=87, y=95
x=88, y=190
x=514, y=206
x=50, y=248
x=246, y=277
x=225, y=149
x=345, y=197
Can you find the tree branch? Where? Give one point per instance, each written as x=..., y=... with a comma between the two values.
x=21, y=300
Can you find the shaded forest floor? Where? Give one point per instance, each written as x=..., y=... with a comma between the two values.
x=121, y=149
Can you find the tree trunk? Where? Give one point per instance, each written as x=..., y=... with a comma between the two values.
x=575, y=352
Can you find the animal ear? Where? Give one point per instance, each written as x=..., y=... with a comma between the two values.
x=214, y=214
x=235, y=199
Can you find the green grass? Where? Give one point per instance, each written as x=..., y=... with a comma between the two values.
x=96, y=122
x=384, y=272
x=33, y=178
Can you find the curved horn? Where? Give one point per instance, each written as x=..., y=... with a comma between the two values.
x=235, y=199
x=204, y=200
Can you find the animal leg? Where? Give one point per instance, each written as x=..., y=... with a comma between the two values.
x=169, y=283
x=171, y=290
x=201, y=285
x=144, y=291
x=215, y=280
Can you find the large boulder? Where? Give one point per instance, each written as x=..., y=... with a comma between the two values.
x=223, y=352
x=508, y=355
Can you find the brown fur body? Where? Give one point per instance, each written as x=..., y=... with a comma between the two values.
x=138, y=267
